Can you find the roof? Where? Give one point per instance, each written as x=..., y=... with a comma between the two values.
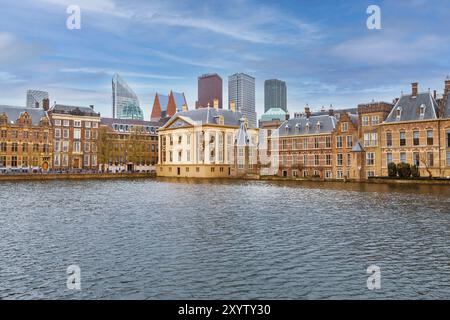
x=410, y=108
x=274, y=114
x=299, y=126
x=163, y=101
x=74, y=110
x=447, y=108
x=207, y=116
x=111, y=121
x=179, y=100
x=13, y=113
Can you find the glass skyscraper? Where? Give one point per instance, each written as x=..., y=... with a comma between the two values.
x=275, y=93
x=125, y=103
x=241, y=90
x=35, y=98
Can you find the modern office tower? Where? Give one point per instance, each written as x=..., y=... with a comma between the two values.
x=209, y=88
x=35, y=98
x=275, y=93
x=125, y=103
x=241, y=91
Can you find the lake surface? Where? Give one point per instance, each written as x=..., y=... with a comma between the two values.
x=191, y=239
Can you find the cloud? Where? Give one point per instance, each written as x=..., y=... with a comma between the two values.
x=8, y=78
x=123, y=73
x=12, y=50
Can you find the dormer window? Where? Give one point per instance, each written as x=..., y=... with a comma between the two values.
x=422, y=111
x=398, y=113
x=318, y=125
x=298, y=126
x=307, y=126
x=287, y=128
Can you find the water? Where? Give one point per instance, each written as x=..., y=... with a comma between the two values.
x=186, y=239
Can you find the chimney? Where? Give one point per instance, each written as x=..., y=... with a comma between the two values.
x=331, y=112
x=91, y=106
x=434, y=94
x=184, y=107
x=216, y=103
x=415, y=87
x=447, y=85
x=46, y=104
x=233, y=106
x=307, y=111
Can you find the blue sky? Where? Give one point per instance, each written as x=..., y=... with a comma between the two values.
x=322, y=49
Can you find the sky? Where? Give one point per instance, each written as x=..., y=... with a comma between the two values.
x=322, y=49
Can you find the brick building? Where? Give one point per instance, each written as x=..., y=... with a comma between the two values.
x=127, y=145
x=75, y=137
x=25, y=139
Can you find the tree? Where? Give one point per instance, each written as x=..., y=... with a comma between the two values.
x=392, y=169
x=424, y=160
x=404, y=170
x=415, y=172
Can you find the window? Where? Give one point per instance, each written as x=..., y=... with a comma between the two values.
x=305, y=143
x=339, y=159
x=65, y=146
x=338, y=142
x=94, y=160
x=77, y=124
x=66, y=123
x=66, y=134
x=305, y=160
x=65, y=160
x=328, y=142
x=87, y=124
x=448, y=158
x=77, y=134
x=95, y=125
x=349, y=159
x=76, y=146
x=430, y=159
x=58, y=123
x=180, y=139
x=349, y=141
x=24, y=147
x=402, y=138
x=416, y=158
x=316, y=160
x=370, y=174
x=344, y=127
x=86, y=160
x=389, y=158
x=305, y=173
x=388, y=139
x=328, y=159
x=416, y=136
x=375, y=120
x=14, y=161
x=316, y=143
x=87, y=134
x=294, y=173
x=403, y=157
x=370, y=158
x=25, y=134
x=57, y=133
x=448, y=139
x=365, y=121
x=339, y=175
x=14, y=147
x=188, y=139
x=3, y=134
x=328, y=174
x=2, y=161
x=87, y=147
x=430, y=139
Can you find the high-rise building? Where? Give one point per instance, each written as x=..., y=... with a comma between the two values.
x=241, y=91
x=275, y=93
x=209, y=89
x=35, y=98
x=124, y=100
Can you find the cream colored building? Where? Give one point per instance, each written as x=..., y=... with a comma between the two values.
x=207, y=143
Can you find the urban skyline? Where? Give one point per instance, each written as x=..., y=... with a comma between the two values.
x=327, y=56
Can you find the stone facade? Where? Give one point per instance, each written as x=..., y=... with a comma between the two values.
x=25, y=140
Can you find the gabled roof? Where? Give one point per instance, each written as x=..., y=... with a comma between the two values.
x=163, y=101
x=179, y=100
x=13, y=113
x=410, y=106
x=304, y=125
x=206, y=116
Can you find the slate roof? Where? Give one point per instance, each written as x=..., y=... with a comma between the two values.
x=111, y=121
x=209, y=116
x=75, y=110
x=410, y=108
x=163, y=101
x=13, y=113
x=447, y=108
x=179, y=100
x=298, y=126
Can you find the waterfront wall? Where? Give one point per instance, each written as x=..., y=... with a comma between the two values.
x=76, y=176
